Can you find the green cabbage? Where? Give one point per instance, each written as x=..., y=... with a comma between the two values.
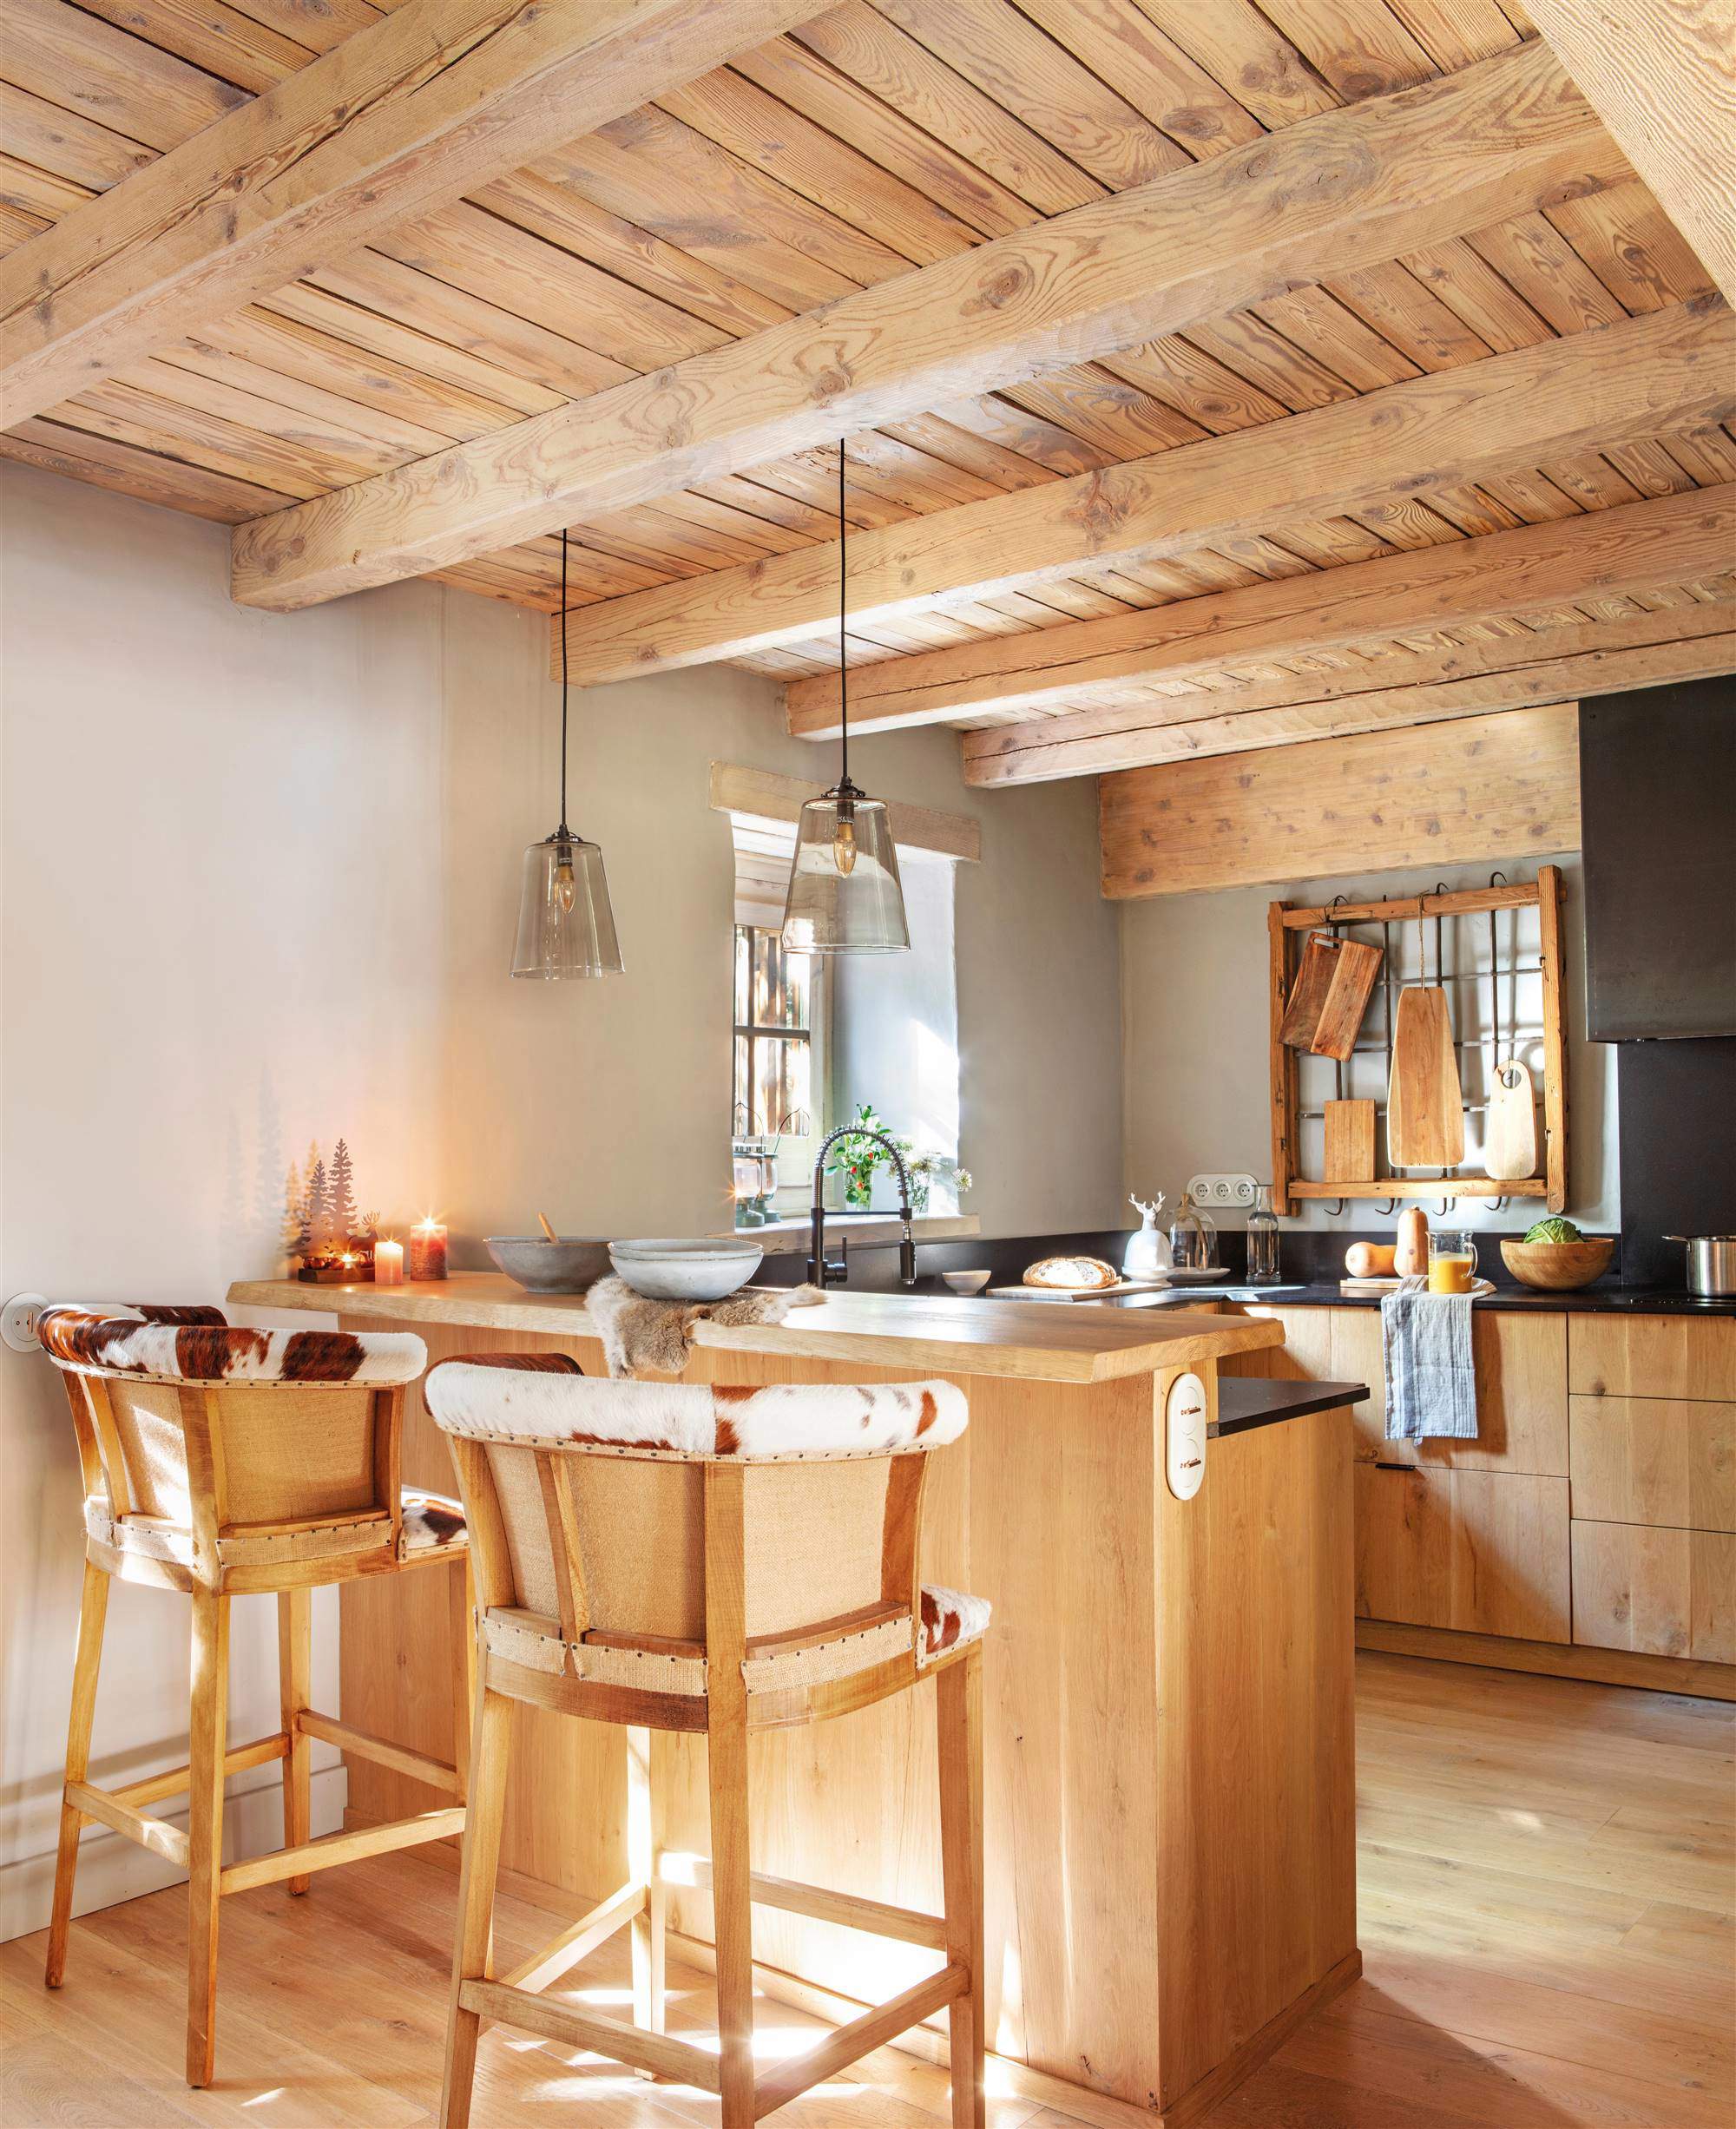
x=1553, y=1231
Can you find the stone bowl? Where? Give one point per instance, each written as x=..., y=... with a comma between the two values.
x=966, y=1282
x=540, y=1266
x=1558, y=1267
x=671, y=1268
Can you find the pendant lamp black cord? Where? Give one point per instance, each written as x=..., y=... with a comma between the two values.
x=842, y=667
x=562, y=831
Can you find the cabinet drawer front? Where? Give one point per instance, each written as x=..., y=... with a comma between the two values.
x=1664, y=1460
x=1652, y=1357
x=1481, y=1552
x=1521, y=1394
x=1667, y=1593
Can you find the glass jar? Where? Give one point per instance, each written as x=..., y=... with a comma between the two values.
x=1262, y=1241
x=1193, y=1239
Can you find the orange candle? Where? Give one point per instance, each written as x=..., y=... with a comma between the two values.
x=427, y=1250
x=388, y=1264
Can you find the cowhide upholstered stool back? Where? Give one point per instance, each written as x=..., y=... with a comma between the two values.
x=695, y=1557
x=218, y=1460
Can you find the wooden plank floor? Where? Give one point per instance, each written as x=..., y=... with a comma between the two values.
x=1548, y=1920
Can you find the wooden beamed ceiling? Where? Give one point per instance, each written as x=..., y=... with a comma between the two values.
x=1215, y=376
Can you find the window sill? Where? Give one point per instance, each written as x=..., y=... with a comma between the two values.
x=784, y=1237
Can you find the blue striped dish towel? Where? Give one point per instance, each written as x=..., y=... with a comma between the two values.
x=1430, y=1378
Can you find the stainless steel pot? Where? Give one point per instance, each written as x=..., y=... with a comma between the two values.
x=1710, y=1263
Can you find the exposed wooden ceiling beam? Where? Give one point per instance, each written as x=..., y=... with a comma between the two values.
x=403, y=116
x=1553, y=665
x=1671, y=539
x=1642, y=377
x=1661, y=75
x=1348, y=188
x=1505, y=785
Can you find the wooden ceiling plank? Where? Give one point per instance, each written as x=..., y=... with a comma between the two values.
x=318, y=23
x=212, y=35
x=1115, y=273
x=1539, y=262
x=1455, y=33
x=1661, y=73
x=1642, y=377
x=1240, y=48
x=1626, y=239
x=128, y=469
x=405, y=116
x=1471, y=289
x=67, y=58
x=931, y=164
x=1153, y=74
x=1009, y=58
x=1613, y=667
x=1363, y=52
x=904, y=75
x=1503, y=573
x=67, y=142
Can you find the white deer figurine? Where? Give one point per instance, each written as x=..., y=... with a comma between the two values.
x=1147, y=1253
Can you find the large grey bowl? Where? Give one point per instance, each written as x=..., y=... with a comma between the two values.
x=672, y=1268
x=544, y=1267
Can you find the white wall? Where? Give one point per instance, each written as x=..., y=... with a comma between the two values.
x=259, y=885
x=1196, y=1040
x=222, y=917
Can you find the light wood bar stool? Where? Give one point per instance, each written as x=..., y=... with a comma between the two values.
x=683, y=1557
x=219, y=1462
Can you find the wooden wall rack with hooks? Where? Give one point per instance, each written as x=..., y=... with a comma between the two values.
x=1286, y=925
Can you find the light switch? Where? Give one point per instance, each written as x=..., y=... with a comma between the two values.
x=1184, y=1437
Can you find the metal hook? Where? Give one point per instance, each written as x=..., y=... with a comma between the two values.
x=1388, y=1208
x=1446, y=1208
x=1500, y=1204
x=1334, y=1208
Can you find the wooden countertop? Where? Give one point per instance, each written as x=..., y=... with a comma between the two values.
x=950, y=1337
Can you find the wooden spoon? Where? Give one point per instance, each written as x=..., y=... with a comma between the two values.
x=543, y=1221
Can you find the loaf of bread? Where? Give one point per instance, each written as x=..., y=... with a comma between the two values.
x=1083, y=1272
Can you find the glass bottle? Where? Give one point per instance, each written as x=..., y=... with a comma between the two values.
x=1262, y=1239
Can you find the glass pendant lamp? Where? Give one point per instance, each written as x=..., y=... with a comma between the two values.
x=566, y=927
x=844, y=897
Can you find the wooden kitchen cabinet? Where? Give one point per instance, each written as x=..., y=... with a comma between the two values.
x=1652, y=1357
x=1667, y=1462
x=1521, y=1394
x=1476, y=1552
x=1661, y=1592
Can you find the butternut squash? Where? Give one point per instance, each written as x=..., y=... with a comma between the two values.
x=1370, y=1260
x=1410, y=1251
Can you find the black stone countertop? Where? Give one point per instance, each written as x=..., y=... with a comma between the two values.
x=1598, y=1300
x=1246, y=1401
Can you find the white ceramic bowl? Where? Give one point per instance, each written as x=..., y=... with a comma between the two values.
x=667, y=1268
x=966, y=1282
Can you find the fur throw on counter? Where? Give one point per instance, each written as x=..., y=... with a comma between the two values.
x=639, y=1334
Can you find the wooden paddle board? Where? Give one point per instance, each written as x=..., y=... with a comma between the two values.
x=1424, y=1112
x=1350, y=1142
x=1509, y=1125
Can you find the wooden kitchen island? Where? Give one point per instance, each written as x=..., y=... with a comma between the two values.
x=1169, y=1725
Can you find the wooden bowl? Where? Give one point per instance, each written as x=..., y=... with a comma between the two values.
x=1558, y=1267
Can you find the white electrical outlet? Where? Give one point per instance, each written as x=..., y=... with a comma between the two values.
x=1216, y=1192
x=1184, y=1437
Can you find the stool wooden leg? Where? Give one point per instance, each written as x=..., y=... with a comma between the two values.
x=93, y=1610
x=732, y=1914
x=461, y=1603
x=206, y=1744
x=644, y=1863
x=960, y=1730
x=489, y=1746
x=294, y=1681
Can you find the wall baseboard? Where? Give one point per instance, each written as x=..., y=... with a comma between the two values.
x=112, y=1868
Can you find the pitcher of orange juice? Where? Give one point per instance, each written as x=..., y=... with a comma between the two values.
x=1453, y=1261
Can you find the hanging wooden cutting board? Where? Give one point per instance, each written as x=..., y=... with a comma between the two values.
x=1424, y=1112
x=1334, y=982
x=1509, y=1124
x=1350, y=1142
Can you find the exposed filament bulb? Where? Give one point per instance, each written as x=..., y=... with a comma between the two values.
x=562, y=888
x=843, y=845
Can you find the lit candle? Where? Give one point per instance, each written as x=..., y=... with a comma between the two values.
x=427, y=1250
x=388, y=1264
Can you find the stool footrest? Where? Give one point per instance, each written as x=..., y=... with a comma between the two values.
x=579, y=1939
x=433, y=1773
x=169, y=1841
x=908, y=1925
x=335, y=1848
x=572, y=2027
x=860, y=2037
x=156, y=1787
